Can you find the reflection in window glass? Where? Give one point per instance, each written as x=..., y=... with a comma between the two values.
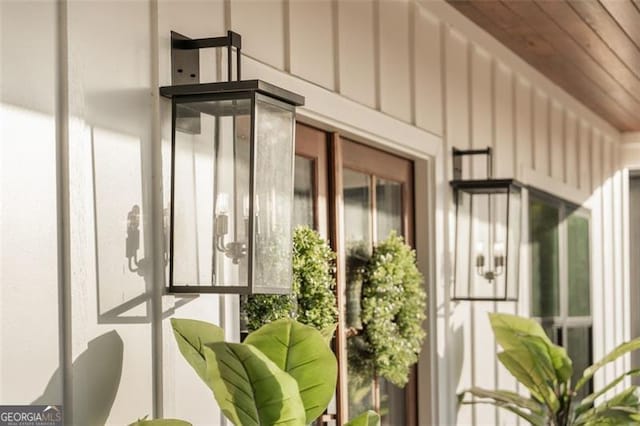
x=360, y=228
x=357, y=228
x=544, y=220
x=303, y=192
x=578, y=266
x=579, y=350
x=389, y=218
x=388, y=208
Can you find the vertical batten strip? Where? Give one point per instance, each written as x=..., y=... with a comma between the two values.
x=609, y=272
x=626, y=266
x=154, y=152
x=286, y=34
x=532, y=107
x=599, y=329
x=444, y=340
x=549, y=145
x=412, y=63
x=63, y=207
x=227, y=17
x=473, y=173
x=494, y=125
x=578, y=148
x=563, y=160
x=376, y=56
x=616, y=236
x=335, y=31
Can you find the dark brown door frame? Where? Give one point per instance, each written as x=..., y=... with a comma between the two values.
x=312, y=144
x=379, y=164
x=331, y=154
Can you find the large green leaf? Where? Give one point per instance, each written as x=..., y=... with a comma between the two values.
x=622, y=349
x=526, y=408
x=511, y=331
x=588, y=401
x=505, y=397
x=301, y=351
x=531, y=366
x=621, y=409
x=191, y=336
x=160, y=422
x=368, y=418
x=533, y=419
x=250, y=389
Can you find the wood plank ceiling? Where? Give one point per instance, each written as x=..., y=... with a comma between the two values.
x=590, y=48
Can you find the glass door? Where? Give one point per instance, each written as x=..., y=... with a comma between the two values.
x=377, y=198
x=354, y=196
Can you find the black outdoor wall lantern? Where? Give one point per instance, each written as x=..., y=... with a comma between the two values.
x=488, y=234
x=231, y=177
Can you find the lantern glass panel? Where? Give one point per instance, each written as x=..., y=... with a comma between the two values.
x=211, y=194
x=487, y=243
x=273, y=198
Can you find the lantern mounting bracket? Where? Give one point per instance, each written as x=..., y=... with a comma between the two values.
x=185, y=56
x=457, y=160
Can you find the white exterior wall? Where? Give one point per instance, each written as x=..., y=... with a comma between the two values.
x=413, y=77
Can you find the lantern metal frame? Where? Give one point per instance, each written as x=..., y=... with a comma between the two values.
x=486, y=186
x=186, y=88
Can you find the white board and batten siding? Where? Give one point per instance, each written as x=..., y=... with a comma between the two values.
x=414, y=77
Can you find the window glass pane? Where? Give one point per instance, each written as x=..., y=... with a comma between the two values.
x=303, y=192
x=357, y=228
x=578, y=267
x=388, y=208
x=579, y=350
x=389, y=218
x=545, y=276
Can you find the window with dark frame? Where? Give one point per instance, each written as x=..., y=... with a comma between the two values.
x=559, y=241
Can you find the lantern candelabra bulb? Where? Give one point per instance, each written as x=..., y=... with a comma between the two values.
x=234, y=250
x=499, y=259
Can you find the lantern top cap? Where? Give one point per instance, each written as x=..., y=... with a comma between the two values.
x=486, y=185
x=233, y=87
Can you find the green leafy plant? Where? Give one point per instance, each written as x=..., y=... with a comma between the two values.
x=284, y=373
x=368, y=418
x=393, y=309
x=546, y=370
x=312, y=301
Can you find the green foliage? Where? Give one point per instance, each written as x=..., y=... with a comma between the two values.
x=368, y=418
x=393, y=309
x=546, y=370
x=250, y=389
x=313, y=301
x=160, y=422
x=283, y=374
x=191, y=336
x=311, y=355
x=313, y=277
x=262, y=309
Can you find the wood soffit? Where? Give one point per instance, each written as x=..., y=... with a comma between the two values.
x=590, y=48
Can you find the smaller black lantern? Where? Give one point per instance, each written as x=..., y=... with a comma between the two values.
x=488, y=234
x=231, y=177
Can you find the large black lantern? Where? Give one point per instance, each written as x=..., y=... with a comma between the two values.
x=488, y=234
x=231, y=177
